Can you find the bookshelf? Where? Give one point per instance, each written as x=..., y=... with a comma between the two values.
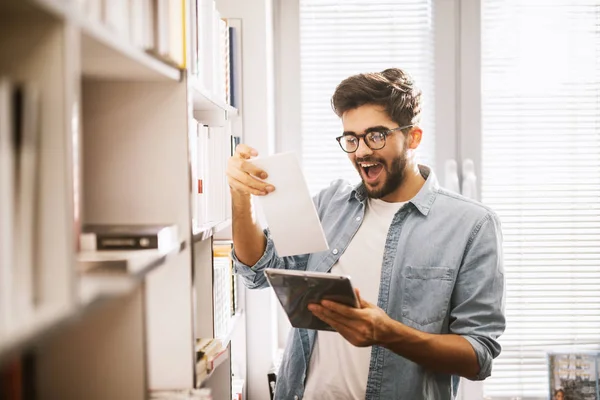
x=115, y=120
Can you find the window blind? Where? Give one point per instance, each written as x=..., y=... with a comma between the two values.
x=339, y=38
x=541, y=173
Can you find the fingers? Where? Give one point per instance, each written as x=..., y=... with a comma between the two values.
x=245, y=151
x=244, y=176
x=340, y=309
x=248, y=180
x=240, y=187
x=334, y=319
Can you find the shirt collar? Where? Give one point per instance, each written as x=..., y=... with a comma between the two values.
x=423, y=200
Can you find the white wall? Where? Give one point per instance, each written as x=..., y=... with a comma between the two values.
x=258, y=115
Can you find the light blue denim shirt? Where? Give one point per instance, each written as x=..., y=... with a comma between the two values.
x=442, y=273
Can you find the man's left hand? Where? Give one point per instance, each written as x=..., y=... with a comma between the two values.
x=360, y=326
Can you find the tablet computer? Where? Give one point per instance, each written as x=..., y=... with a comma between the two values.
x=295, y=290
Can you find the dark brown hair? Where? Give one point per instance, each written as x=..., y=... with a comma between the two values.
x=393, y=89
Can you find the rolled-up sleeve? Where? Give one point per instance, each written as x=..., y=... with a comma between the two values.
x=254, y=276
x=477, y=312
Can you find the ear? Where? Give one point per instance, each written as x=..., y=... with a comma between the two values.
x=414, y=137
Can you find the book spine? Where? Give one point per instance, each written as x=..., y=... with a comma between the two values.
x=140, y=242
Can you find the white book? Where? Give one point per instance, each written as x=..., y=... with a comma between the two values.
x=202, y=173
x=92, y=9
x=193, y=149
x=140, y=23
x=192, y=20
x=162, y=40
x=7, y=189
x=176, y=39
x=27, y=201
x=216, y=55
x=207, y=10
x=116, y=17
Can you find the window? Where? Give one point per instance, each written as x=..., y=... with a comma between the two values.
x=541, y=172
x=339, y=38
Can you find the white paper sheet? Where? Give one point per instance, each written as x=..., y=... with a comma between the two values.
x=289, y=210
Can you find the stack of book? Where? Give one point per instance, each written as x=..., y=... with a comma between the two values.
x=213, y=50
x=19, y=175
x=211, y=147
x=209, y=355
x=156, y=26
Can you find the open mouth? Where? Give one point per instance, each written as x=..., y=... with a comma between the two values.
x=371, y=171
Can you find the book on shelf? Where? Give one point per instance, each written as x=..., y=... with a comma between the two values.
x=95, y=237
x=141, y=21
x=223, y=289
x=212, y=50
x=213, y=149
x=115, y=15
x=19, y=174
x=234, y=54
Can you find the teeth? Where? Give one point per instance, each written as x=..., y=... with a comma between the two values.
x=367, y=165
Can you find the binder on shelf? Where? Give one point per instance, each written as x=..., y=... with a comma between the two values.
x=128, y=237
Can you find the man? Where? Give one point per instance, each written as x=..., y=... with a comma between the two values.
x=427, y=262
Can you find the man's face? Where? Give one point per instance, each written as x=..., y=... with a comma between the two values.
x=382, y=171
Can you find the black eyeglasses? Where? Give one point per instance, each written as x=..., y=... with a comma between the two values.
x=375, y=140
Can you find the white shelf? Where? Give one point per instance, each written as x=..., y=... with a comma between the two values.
x=135, y=263
x=204, y=101
x=208, y=230
x=105, y=54
x=94, y=289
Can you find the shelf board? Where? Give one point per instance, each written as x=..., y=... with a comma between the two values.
x=207, y=230
x=133, y=263
x=104, y=53
x=94, y=289
x=204, y=101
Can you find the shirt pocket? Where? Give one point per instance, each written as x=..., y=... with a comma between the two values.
x=426, y=293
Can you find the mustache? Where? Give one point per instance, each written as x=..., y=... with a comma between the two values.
x=369, y=160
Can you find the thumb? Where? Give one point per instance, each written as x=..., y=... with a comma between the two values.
x=362, y=303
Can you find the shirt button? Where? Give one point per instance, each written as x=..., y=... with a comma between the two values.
x=295, y=397
x=335, y=251
x=358, y=218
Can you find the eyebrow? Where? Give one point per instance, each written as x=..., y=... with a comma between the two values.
x=368, y=130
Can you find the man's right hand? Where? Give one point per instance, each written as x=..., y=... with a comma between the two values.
x=243, y=176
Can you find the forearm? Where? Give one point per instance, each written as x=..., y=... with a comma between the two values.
x=249, y=240
x=442, y=353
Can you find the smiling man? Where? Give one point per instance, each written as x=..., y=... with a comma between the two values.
x=427, y=262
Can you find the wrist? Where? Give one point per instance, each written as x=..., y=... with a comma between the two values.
x=240, y=197
x=387, y=332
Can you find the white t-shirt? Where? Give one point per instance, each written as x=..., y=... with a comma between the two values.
x=338, y=370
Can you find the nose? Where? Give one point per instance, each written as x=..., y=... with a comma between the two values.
x=363, y=150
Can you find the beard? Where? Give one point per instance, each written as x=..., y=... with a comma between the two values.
x=394, y=175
